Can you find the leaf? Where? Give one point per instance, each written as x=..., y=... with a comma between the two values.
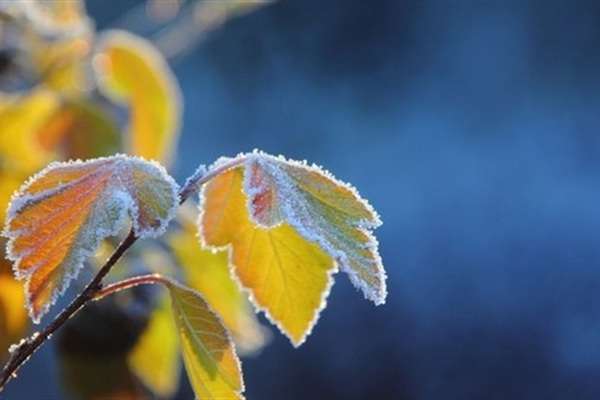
x=288, y=277
x=209, y=273
x=132, y=71
x=155, y=357
x=208, y=353
x=59, y=217
x=21, y=118
x=13, y=318
x=80, y=129
x=323, y=210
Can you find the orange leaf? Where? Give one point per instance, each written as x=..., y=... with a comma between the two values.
x=59, y=217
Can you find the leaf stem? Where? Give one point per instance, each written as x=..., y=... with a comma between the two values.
x=22, y=351
x=129, y=283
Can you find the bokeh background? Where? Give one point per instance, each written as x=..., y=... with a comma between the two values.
x=474, y=129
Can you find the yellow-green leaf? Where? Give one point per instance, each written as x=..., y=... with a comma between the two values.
x=59, y=217
x=288, y=276
x=208, y=352
x=132, y=71
x=208, y=272
x=323, y=210
x=155, y=357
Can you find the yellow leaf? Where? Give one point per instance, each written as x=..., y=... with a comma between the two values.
x=21, y=117
x=323, y=210
x=208, y=352
x=13, y=317
x=132, y=71
x=9, y=182
x=209, y=273
x=155, y=357
x=59, y=217
x=288, y=276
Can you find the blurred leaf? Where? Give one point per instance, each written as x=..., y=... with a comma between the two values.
x=80, y=129
x=21, y=118
x=132, y=71
x=208, y=273
x=208, y=353
x=288, y=276
x=13, y=315
x=59, y=217
x=99, y=378
x=155, y=358
x=9, y=182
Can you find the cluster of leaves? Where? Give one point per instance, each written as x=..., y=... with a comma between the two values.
x=268, y=233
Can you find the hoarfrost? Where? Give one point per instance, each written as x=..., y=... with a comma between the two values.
x=301, y=194
x=123, y=185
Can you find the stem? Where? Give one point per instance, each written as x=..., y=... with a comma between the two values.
x=129, y=283
x=22, y=351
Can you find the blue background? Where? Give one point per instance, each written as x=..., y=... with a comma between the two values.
x=473, y=127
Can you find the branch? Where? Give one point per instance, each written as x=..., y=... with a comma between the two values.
x=22, y=351
x=129, y=283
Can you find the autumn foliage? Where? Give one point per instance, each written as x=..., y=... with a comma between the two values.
x=268, y=234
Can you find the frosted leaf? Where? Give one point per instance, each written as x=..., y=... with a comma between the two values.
x=286, y=276
x=323, y=210
x=59, y=217
x=288, y=227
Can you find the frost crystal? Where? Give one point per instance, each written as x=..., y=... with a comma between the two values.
x=60, y=216
x=323, y=210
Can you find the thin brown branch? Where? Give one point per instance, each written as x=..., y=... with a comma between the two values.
x=22, y=351
x=129, y=283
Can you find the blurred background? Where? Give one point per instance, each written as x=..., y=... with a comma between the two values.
x=473, y=127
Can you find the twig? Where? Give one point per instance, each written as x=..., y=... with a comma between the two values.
x=129, y=283
x=22, y=351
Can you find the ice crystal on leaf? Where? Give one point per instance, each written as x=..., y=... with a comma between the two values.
x=288, y=227
x=323, y=210
x=59, y=217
